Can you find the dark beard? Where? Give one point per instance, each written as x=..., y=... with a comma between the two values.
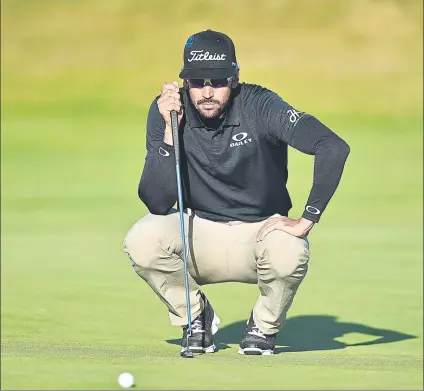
x=219, y=112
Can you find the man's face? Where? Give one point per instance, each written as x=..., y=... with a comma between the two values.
x=209, y=101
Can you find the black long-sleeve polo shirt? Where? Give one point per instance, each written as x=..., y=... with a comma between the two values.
x=239, y=170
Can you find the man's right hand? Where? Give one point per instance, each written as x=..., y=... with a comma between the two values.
x=170, y=100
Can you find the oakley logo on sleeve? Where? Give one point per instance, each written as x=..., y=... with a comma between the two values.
x=313, y=210
x=240, y=139
x=294, y=115
x=163, y=152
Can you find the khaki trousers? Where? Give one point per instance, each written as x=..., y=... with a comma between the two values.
x=217, y=252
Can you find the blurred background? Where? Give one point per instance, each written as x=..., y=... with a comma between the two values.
x=77, y=78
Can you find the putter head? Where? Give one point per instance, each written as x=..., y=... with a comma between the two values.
x=187, y=354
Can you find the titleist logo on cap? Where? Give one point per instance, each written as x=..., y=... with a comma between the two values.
x=198, y=55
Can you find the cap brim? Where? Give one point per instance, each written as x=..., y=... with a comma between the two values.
x=207, y=73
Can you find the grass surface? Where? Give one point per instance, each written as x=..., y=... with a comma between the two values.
x=77, y=79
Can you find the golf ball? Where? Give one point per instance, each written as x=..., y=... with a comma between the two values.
x=126, y=380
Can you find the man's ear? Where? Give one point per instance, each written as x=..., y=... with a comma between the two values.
x=235, y=81
x=185, y=84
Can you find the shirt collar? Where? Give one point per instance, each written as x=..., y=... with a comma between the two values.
x=232, y=116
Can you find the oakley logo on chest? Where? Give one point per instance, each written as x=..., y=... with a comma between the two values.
x=198, y=55
x=240, y=139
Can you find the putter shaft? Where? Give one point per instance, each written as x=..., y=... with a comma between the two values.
x=175, y=137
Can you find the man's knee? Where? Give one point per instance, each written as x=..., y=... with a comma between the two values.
x=285, y=255
x=146, y=241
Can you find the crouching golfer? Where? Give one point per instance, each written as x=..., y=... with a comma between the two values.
x=234, y=139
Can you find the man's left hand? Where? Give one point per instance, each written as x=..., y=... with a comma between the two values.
x=296, y=227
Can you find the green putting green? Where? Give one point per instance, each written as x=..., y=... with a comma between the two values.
x=77, y=80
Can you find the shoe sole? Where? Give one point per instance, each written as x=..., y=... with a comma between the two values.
x=211, y=349
x=255, y=352
x=200, y=350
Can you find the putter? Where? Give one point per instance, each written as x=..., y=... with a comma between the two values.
x=174, y=125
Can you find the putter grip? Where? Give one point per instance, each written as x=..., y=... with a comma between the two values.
x=175, y=139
